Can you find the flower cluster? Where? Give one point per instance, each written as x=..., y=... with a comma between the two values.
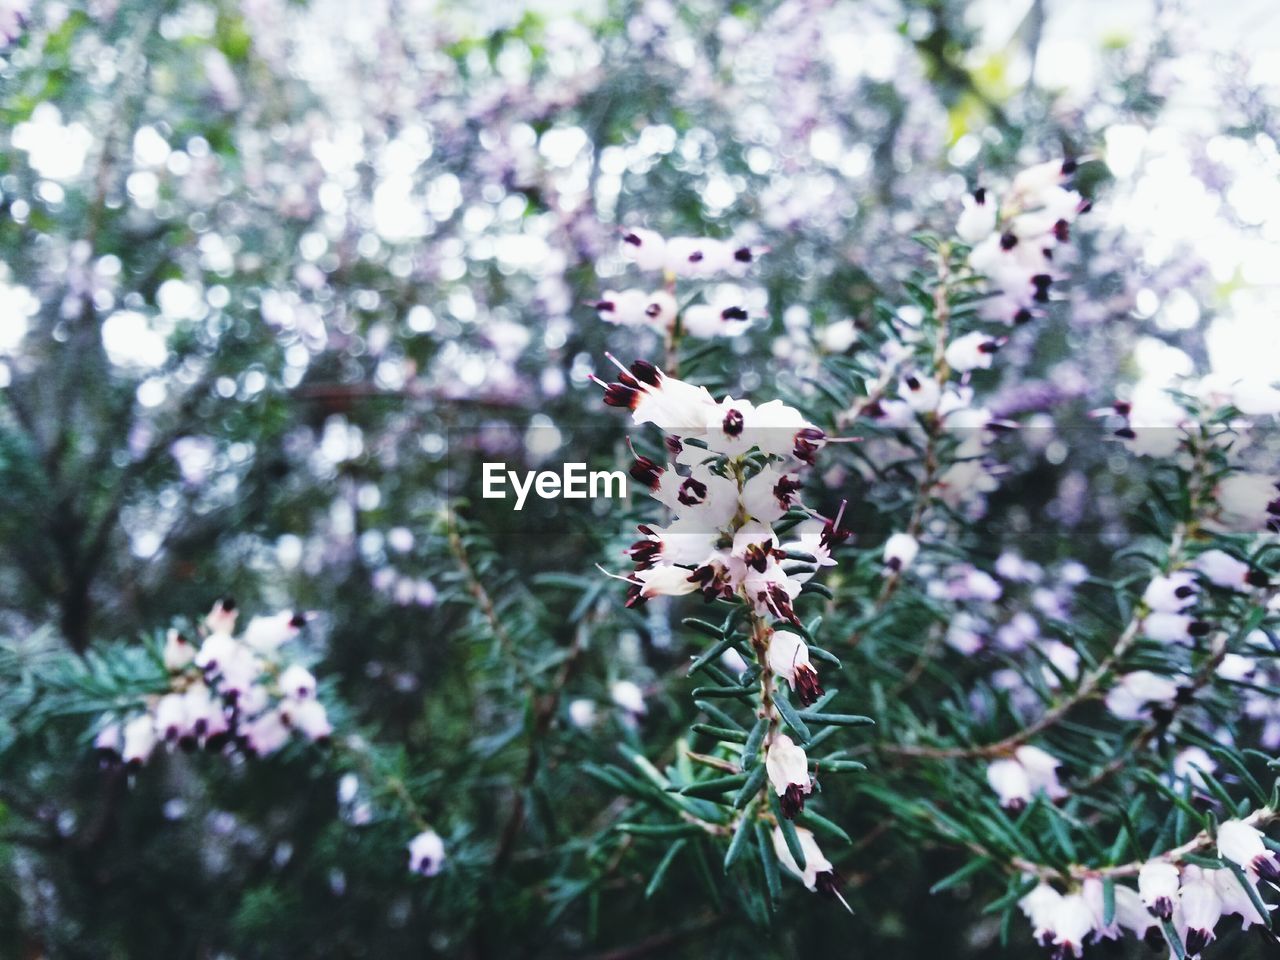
x=1018, y=243
x=1176, y=902
x=740, y=533
x=723, y=313
x=230, y=691
x=736, y=472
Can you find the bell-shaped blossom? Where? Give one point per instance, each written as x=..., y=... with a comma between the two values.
x=268, y=633
x=582, y=713
x=660, y=580
x=179, y=652
x=705, y=321
x=646, y=248
x=788, y=769
x=426, y=854
x=972, y=351
x=1042, y=771
x=297, y=682
x=1235, y=898
x=308, y=717
x=1201, y=908
x=171, y=721
x=1242, y=843
x=920, y=392
x=628, y=695
x=1223, y=570
x=138, y=740
x=1041, y=907
x=1250, y=501
x=818, y=874
x=636, y=308
x=1030, y=186
x=1131, y=698
x=222, y=618
x=1173, y=627
x=1171, y=593
x=652, y=397
x=1132, y=913
x=264, y=734
x=789, y=659
x=899, y=551
x=1071, y=923
x=1158, y=888
x=977, y=218
x=770, y=493
x=1009, y=779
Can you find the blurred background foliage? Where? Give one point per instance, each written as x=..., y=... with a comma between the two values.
x=277, y=276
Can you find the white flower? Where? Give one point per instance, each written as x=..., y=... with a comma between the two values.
x=629, y=697
x=265, y=734
x=818, y=874
x=1072, y=922
x=978, y=218
x=222, y=618
x=171, y=721
x=646, y=248
x=1201, y=908
x=1065, y=661
x=1171, y=593
x=309, y=717
x=1131, y=913
x=900, y=550
x=178, y=652
x=1042, y=771
x=268, y=633
x=1235, y=666
x=108, y=741
x=636, y=308
x=973, y=351
x=217, y=650
x=582, y=713
x=1032, y=186
x=1009, y=779
x=1235, y=898
x=426, y=853
x=788, y=769
x=1158, y=888
x=1223, y=570
x=1041, y=908
x=1130, y=699
x=1247, y=499
x=1242, y=843
x=789, y=659
x=662, y=580
x=705, y=321
x=652, y=397
x=769, y=494
x=139, y=740
x=1171, y=627
x=1191, y=763
x=297, y=682
x=920, y=392
x=839, y=336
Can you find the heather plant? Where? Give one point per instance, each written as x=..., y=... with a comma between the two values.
x=933, y=345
